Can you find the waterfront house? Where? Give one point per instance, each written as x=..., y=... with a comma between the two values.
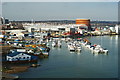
x=20, y=56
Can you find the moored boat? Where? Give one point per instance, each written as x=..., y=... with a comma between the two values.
x=53, y=44
x=78, y=48
x=72, y=48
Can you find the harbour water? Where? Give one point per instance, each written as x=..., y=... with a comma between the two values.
x=65, y=64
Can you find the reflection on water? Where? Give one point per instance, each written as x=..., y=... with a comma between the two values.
x=65, y=64
x=116, y=38
x=106, y=54
x=71, y=52
x=78, y=53
x=95, y=54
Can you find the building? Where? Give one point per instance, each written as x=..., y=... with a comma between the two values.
x=20, y=55
x=117, y=29
x=112, y=29
x=69, y=29
x=6, y=21
x=84, y=21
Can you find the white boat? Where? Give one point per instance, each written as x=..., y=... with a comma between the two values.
x=87, y=46
x=78, y=49
x=101, y=49
x=45, y=53
x=92, y=48
x=47, y=44
x=30, y=51
x=96, y=50
x=53, y=44
x=15, y=44
x=71, y=48
x=83, y=43
x=59, y=44
x=20, y=45
x=37, y=53
x=105, y=51
x=68, y=45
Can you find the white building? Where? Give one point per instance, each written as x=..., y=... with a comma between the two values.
x=117, y=29
x=18, y=56
x=112, y=29
x=47, y=27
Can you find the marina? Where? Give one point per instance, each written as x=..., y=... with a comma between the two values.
x=65, y=64
x=59, y=40
x=59, y=54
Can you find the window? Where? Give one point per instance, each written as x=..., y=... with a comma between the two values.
x=8, y=58
x=17, y=58
x=28, y=58
x=13, y=59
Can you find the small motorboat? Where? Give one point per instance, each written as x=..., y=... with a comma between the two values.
x=105, y=51
x=78, y=48
x=30, y=51
x=91, y=47
x=87, y=46
x=96, y=50
x=71, y=48
x=35, y=65
x=59, y=44
x=45, y=53
x=53, y=44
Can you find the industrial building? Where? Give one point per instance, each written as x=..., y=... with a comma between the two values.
x=84, y=21
x=117, y=29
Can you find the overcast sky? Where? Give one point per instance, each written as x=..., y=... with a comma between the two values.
x=60, y=10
